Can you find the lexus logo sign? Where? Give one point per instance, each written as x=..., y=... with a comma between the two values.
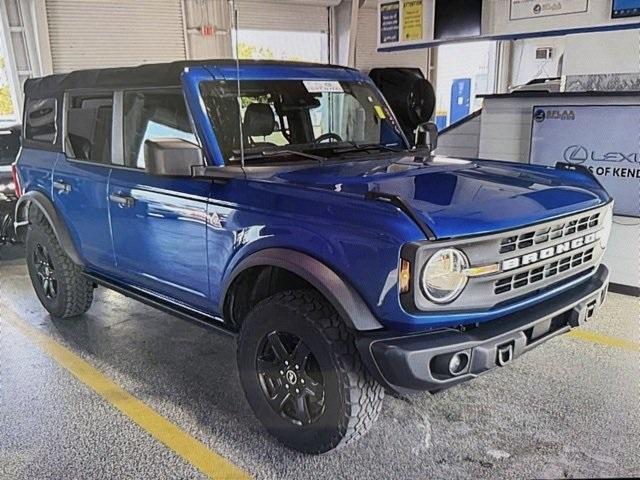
x=576, y=154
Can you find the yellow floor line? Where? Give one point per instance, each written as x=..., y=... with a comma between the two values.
x=593, y=337
x=190, y=449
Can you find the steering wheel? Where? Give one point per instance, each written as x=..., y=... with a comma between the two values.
x=328, y=136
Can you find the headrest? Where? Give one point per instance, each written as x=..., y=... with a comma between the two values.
x=259, y=120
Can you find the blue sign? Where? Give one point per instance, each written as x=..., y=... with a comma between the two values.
x=389, y=22
x=460, y=99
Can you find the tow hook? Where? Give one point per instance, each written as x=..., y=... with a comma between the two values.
x=505, y=354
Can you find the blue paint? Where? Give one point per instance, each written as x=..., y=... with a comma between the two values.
x=183, y=238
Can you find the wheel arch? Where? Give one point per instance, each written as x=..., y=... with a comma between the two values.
x=36, y=199
x=342, y=296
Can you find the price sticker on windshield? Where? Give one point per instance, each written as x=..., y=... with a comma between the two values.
x=323, y=86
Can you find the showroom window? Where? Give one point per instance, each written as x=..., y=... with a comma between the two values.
x=40, y=120
x=464, y=71
x=152, y=115
x=89, y=127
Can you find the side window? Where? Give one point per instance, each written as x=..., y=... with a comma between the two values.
x=152, y=115
x=89, y=127
x=40, y=120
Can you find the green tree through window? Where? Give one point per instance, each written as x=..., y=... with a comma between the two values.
x=6, y=105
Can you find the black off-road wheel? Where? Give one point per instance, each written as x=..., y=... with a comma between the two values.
x=302, y=374
x=59, y=283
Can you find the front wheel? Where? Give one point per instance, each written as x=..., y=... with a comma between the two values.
x=302, y=374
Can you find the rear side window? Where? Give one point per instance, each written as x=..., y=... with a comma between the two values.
x=40, y=120
x=152, y=115
x=89, y=127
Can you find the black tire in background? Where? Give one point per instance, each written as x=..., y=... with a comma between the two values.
x=344, y=400
x=59, y=283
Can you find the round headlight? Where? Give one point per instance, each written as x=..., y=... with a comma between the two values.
x=442, y=277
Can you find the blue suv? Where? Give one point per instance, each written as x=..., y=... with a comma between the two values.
x=283, y=203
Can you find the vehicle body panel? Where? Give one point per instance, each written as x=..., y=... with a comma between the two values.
x=159, y=241
x=85, y=208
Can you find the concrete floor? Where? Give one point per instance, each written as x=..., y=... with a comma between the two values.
x=567, y=409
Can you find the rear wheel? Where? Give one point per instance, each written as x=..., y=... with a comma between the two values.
x=302, y=374
x=59, y=283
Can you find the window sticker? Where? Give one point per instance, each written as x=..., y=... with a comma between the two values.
x=380, y=111
x=323, y=86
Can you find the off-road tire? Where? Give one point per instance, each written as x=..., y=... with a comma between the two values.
x=74, y=293
x=353, y=398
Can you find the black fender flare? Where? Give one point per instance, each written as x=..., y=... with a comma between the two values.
x=347, y=302
x=40, y=201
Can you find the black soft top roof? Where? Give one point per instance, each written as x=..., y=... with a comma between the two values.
x=150, y=75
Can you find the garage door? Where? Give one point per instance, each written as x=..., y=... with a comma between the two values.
x=283, y=16
x=284, y=30
x=106, y=33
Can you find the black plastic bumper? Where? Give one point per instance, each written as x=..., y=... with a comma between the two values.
x=408, y=363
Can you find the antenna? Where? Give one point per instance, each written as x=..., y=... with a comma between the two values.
x=239, y=99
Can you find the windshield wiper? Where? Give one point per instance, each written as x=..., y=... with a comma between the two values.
x=275, y=153
x=359, y=147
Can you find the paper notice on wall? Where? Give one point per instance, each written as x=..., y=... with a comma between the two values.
x=602, y=138
x=412, y=20
x=521, y=9
x=389, y=22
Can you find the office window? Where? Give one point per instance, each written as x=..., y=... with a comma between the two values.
x=89, y=127
x=152, y=115
x=40, y=120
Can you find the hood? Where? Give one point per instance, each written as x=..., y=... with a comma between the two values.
x=456, y=197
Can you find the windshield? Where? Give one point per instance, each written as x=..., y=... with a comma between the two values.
x=283, y=118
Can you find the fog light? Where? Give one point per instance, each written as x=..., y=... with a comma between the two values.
x=458, y=363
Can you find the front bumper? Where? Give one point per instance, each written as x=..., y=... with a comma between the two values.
x=409, y=363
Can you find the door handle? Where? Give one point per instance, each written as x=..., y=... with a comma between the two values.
x=62, y=187
x=122, y=200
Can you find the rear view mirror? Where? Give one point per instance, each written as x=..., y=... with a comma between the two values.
x=427, y=136
x=171, y=157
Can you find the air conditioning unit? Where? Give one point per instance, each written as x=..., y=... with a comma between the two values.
x=544, y=53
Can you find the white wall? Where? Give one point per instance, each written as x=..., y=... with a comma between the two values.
x=602, y=53
x=584, y=54
x=525, y=66
x=215, y=13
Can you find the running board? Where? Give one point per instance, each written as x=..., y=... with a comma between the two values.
x=194, y=316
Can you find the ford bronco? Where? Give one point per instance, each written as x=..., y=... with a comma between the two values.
x=284, y=203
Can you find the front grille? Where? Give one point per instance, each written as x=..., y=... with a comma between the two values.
x=535, y=275
x=547, y=234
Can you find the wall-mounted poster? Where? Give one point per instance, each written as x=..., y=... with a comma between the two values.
x=521, y=9
x=412, y=20
x=389, y=22
x=603, y=138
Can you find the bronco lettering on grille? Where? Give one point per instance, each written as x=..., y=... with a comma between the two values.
x=550, y=252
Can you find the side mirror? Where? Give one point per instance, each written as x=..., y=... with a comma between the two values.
x=427, y=136
x=172, y=157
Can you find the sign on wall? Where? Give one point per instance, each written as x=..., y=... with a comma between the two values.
x=412, y=13
x=520, y=9
x=604, y=139
x=389, y=22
